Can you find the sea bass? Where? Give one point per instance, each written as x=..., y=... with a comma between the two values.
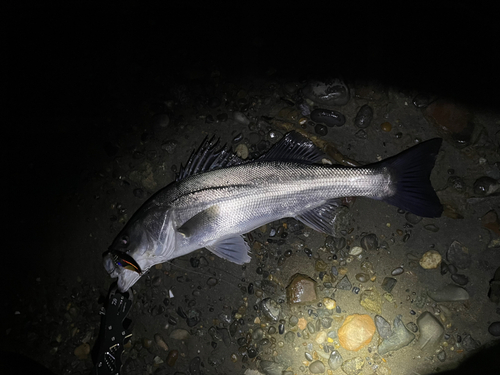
x=218, y=197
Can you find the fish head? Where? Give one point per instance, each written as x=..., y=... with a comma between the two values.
x=146, y=240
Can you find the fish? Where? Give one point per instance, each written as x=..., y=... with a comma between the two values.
x=217, y=198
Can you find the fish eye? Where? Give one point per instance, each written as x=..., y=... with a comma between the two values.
x=124, y=240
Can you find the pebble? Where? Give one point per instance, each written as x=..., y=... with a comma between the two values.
x=271, y=368
x=450, y=293
x=331, y=92
x=369, y=242
x=242, y=151
x=328, y=117
x=441, y=356
x=329, y=303
x=386, y=126
x=383, y=327
x=180, y=334
x=301, y=289
x=353, y=366
x=362, y=277
x=356, y=250
x=335, y=360
x=494, y=329
x=169, y=146
x=412, y=218
x=212, y=281
x=485, y=186
x=460, y=279
x=241, y=118
x=160, y=342
x=431, y=331
x=172, y=357
x=458, y=255
x=399, y=338
x=397, y=271
x=317, y=367
x=422, y=100
x=270, y=308
x=431, y=227
x=388, y=284
x=321, y=130
x=344, y=283
x=364, y=117
x=430, y=260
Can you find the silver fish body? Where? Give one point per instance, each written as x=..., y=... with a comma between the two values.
x=214, y=208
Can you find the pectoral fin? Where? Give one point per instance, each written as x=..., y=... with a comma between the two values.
x=198, y=221
x=234, y=249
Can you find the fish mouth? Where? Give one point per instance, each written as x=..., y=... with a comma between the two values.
x=124, y=267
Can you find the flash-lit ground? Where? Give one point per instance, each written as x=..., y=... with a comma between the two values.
x=104, y=107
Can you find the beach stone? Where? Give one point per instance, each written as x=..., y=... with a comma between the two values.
x=317, y=367
x=470, y=344
x=271, y=368
x=399, y=338
x=344, y=283
x=335, y=360
x=356, y=332
x=301, y=289
x=388, y=284
x=430, y=260
x=494, y=292
x=371, y=301
x=458, y=255
x=329, y=92
x=431, y=331
x=450, y=293
x=383, y=327
x=353, y=366
x=494, y=329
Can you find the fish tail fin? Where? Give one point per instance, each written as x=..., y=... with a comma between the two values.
x=411, y=170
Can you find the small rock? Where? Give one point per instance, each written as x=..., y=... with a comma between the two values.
x=180, y=334
x=431, y=331
x=369, y=242
x=430, y=260
x=329, y=92
x=431, y=228
x=397, y=271
x=160, y=342
x=460, y=279
x=356, y=332
x=491, y=222
x=494, y=329
x=364, y=117
x=388, y=284
x=328, y=117
x=470, y=344
x=321, y=337
x=486, y=186
x=329, y=303
x=412, y=218
x=270, y=308
x=494, y=292
x=399, y=338
x=317, y=367
x=241, y=151
x=441, y=356
x=371, y=301
x=458, y=255
x=301, y=289
x=271, y=368
x=172, y=357
x=362, y=277
x=82, y=351
x=450, y=293
x=335, y=360
x=241, y=118
x=344, y=284
x=353, y=366
x=356, y=250
x=383, y=327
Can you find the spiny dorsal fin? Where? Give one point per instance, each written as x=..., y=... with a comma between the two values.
x=294, y=147
x=207, y=158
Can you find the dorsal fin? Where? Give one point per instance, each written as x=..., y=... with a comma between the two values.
x=294, y=147
x=207, y=158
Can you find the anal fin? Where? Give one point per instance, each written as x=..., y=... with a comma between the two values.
x=322, y=218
